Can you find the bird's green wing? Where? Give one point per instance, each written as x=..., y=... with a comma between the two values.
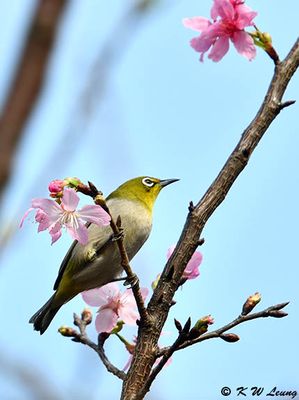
x=99, y=239
x=64, y=264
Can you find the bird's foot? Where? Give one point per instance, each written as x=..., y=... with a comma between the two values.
x=131, y=280
x=119, y=279
x=118, y=236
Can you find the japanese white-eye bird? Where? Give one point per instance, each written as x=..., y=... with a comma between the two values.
x=98, y=262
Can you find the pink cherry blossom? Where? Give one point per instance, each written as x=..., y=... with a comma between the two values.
x=192, y=268
x=53, y=216
x=113, y=305
x=229, y=18
x=56, y=186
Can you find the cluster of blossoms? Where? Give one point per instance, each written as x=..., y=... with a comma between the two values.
x=116, y=308
x=53, y=215
x=229, y=18
x=114, y=305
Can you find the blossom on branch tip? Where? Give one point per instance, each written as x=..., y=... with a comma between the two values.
x=229, y=18
x=192, y=268
x=201, y=327
x=53, y=216
x=56, y=187
x=113, y=305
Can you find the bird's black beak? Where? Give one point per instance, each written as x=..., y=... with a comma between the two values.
x=166, y=182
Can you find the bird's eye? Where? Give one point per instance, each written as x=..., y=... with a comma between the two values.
x=148, y=182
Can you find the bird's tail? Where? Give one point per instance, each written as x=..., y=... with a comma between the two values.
x=43, y=317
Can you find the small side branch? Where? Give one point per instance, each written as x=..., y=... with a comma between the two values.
x=82, y=337
x=287, y=103
x=132, y=278
x=273, y=311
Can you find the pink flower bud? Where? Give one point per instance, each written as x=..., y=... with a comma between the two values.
x=56, y=186
x=201, y=326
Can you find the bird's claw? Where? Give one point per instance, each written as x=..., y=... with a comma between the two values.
x=118, y=236
x=131, y=281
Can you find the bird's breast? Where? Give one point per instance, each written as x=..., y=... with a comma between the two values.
x=136, y=222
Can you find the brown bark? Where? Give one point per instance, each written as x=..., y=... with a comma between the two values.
x=28, y=81
x=137, y=380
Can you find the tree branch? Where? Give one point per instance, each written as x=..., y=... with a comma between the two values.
x=272, y=311
x=132, y=278
x=182, y=341
x=82, y=337
x=160, y=303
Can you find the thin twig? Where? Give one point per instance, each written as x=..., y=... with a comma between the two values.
x=181, y=342
x=82, y=337
x=268, y=312
x=132, y=278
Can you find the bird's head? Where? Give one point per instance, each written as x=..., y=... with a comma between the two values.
x=144, y=189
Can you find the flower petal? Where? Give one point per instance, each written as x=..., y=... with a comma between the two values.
x=49, y=207
x=70, y=199
x=200, y=45
x=223, y=9
x=196, y=23
x=168, y=362
x=192, y=269
x=244, y=44
x=207, y=38
x=219, y=49
x=127, y=310
x=144, y=292
x=245, y=16
x=196, y=259
x=78, y=231
x=170, y=251
x=101, y=296
x=25, y=216
x=128, y=363
x=128, y=314
x=106, y=320
x=95, y=214
x=55, y=232
x=127, y=298
x=42, y=219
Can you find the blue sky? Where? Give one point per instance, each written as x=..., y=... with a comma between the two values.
x=158, y=111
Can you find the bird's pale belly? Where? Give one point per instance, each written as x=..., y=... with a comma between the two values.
x=102, y=257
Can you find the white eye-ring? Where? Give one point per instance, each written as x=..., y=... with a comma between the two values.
x=148, y=182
